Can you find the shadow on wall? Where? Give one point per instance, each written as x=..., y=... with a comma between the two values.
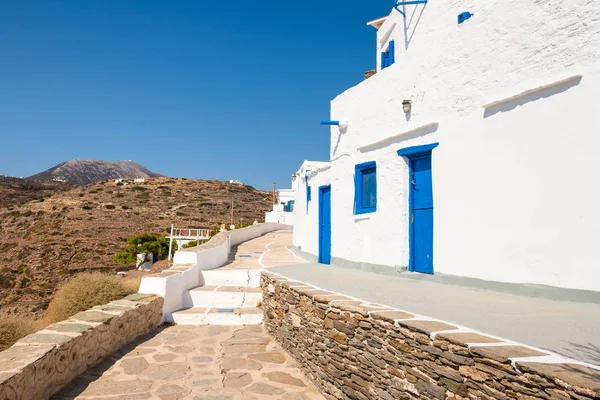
x=408, y=26
x=537, y=95
x=396, y=139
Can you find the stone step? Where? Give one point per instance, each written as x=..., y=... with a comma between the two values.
x=231, y=277
x=224, y=296
x=218, y=316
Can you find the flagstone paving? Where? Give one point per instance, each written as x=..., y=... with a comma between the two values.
x=268, y=250
x=197, y=363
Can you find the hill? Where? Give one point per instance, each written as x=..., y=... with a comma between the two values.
x=17, y=191
x=84, y=172
x=44, y=243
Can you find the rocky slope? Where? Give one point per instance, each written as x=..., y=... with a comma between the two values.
x=83, y=172
x=16, y=191
x=44, y=242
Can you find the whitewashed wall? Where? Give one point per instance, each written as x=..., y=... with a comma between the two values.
x=515, y=187
x=306, y=223
x=286, y=195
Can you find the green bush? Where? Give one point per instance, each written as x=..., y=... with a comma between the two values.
x=109, y=206
x=86, y=291
x=144, y=243
x=193, y=243
x=138, y=188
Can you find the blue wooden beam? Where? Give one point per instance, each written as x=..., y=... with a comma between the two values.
x=407, y=3
x=328, y=122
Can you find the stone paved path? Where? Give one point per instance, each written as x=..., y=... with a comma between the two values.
x=268, y=250
x=199, y=363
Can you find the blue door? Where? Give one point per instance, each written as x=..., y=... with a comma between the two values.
x=325, y=224
x=421, y=218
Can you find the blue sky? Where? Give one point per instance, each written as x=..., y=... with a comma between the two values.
x=199, y=89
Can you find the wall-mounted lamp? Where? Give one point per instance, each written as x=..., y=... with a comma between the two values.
x=294, y=176
x=406, y=106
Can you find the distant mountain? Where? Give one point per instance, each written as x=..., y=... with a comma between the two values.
x=84, y=172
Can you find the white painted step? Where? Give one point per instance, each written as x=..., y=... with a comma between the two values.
x=224, y=296
x=218, y=316
x=231, y=277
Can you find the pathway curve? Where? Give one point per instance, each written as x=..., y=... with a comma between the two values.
x=204, y=362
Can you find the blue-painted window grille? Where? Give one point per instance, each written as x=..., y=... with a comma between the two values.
x=289, y=206
x=388, y=57
x=365, y=188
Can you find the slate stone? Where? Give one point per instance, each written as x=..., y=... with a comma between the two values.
x=270, y=357
x=93, y=316
x=46, y=338
x=464, y=338
x=237, y=380
x=503, y=353
x=285, y=378
x=239, y=363
x=69, y=327
x=573, y=374
x=265, y=389
x=133, y=366
x=391, y=316
x=427, y=327
x=110, y=387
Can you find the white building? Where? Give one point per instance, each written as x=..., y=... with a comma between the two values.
x=491, y=171
x=283, y=211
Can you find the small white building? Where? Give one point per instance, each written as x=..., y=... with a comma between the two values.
x=283, y=211
x=471, y=151
x=139, y=180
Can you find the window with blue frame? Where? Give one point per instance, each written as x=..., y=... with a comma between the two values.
x=365, y=188
x=388, y=57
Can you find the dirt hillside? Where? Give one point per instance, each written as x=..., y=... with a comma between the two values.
x=42, y=243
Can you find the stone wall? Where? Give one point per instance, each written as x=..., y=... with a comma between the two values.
x=38, y=365
x=355, y=350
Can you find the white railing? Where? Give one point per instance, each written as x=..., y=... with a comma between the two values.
x=186, y=233
x=181, y=234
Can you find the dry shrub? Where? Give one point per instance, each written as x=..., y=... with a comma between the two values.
x=133, y=284
x=14, y=327
x=83, y=292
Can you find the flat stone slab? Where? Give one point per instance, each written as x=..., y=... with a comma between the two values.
x=391, y=316
x=229, y=364
x=271, y=357
x=427, y=327
x=45, y=338
x=93, y=316
x=67, y=326
x=504, y=353
x=283, y=377
x=573, y=374
x=465, y=338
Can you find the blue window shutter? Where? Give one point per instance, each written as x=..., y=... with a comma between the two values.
x=356, y=189
x=391, y=53
x=383, y=59
x=365, y=188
